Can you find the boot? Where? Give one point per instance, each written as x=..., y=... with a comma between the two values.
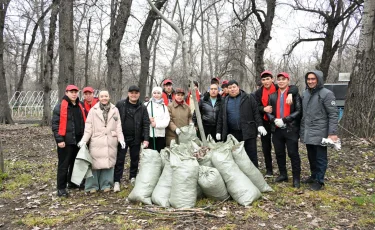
x=281, y=178
x=296, y=182
x=62, y=193
x=308, y=180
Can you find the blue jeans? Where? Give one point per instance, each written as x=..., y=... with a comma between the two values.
x=318, y=159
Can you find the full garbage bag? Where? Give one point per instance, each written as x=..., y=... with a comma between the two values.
x=212, y=183
x=188, y=133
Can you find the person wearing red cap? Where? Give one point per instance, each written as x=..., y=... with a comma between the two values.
x=261, y=95
x=68, y=124
x=285, y=124
x=180, y=115
x=88, y=98
x=224, y=86
x=168, y=92
x=189, y=98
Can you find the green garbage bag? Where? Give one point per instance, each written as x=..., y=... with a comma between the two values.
x=212, y=183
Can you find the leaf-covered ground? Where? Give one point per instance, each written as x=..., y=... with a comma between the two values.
x=28, y=198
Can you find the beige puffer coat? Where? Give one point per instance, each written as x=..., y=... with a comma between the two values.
x=180, y=116
x=103, y=139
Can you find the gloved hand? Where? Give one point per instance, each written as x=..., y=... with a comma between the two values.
x=178, y=131
x=191, y=124
x=81, y=143
x=122, y=143
x=262, y=130
x=218, y=136
x=279, y=122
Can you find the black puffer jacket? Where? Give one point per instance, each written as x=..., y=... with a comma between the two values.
x=71, y=136
x=292, y=121
x=209, y=113
x=141, y=119
x=249, y=115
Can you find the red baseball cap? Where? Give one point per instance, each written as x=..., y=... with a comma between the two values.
x=179, y=90
x=284, y=74
x=266, y=72
x=88, y=89
x=167, y=81
x=71, y=87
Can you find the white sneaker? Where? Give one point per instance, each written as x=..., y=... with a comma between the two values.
x=116, y=188
x=132, y=181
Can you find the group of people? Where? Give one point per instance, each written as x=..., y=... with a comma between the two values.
x=276, y=111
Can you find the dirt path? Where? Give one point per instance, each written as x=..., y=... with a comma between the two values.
x=28, y=198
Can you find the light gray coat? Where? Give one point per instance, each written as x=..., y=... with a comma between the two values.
x=320, y=115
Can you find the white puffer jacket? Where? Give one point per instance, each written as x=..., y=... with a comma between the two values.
x=161, y=116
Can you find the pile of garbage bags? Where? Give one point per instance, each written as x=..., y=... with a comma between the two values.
x=178, y=176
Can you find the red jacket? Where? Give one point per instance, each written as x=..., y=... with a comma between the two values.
x=165, y=97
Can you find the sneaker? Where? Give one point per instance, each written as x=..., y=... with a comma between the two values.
x=116, y=187
x=92, y=191
x=107, y=190
x=308, y=180
x=268, y=174
x=62, y=193
x=316, y=186
x=73, y=186
x=132, y=181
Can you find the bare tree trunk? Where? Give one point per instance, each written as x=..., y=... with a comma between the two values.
x=117, y=30
x=66, y=46
x=359, y=115
x=152, y=77
x=144, y=50
x=243, y=55
x=48, y=69
x=78, y=30
x=28, y=52
x=98, y=72
x=216, y=42
x=87, y=54
x=203, y=43
x=174, y=58
x=209, y=53
x=42, y=48
x=5, y=114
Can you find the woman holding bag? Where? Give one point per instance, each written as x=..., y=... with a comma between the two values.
x=103, y=130
x=159, y=119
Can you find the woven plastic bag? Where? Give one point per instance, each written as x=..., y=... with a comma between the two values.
x=212, y=183
x=188, y=133
x=148, y=176
x=184, y=177
x=239, y=186
x=246, y=165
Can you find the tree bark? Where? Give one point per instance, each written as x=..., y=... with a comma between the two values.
x=66, y=46
x=5, y=113
x=144, y=50
x=117, y=30
x=48, y=69
x=87, y=54
x=359, y=115
x=152, y=77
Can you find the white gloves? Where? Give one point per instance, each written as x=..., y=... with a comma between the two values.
x=262, y=130
x=329, y=142
x=191, y=124
x=122, y=143
x=81, y=143
x=279, y=123
x=178, y=131
x=218, y=136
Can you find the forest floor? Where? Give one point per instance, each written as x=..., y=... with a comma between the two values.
x=28, y=196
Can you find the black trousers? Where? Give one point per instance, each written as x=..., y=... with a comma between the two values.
x=250, y=146
x=66, y=158
x=280, y=138
x=318, y=160
x=267, y=146
x=159, y=143
x=134, y=160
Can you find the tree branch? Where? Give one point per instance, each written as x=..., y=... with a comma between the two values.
x=294, y=44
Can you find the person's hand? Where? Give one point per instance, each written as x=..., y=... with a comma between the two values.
x=153, y=124
x=268, y=109
x=191, y=123
x=123, y=145
x=289, y=99
x=279, y=122
x=262, y=130
x=152, y=119
x=178, y=131
x=334, y=138
x=218, y=136
x=145, y=144
x=81, y=143
x=61, y=144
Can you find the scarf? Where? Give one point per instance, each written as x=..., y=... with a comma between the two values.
x=64, y=116
x=286, y=106
x=105, y=109
x=265, y=94
x=180, y=103
x=88, y=106
x=157, y=101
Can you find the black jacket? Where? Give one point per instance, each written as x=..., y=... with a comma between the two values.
x=259, y=93
x=249, y=115
x=292, y=121
x=71, y=136
x=209, y=113
x=141, y=120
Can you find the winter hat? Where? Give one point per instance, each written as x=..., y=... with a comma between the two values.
x=157, y=88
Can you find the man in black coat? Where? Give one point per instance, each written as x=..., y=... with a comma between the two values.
x=240, y=117
x=136, y=128
x=285, y=123
x=261, y=95
x=68, y=124
x=209, y=107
